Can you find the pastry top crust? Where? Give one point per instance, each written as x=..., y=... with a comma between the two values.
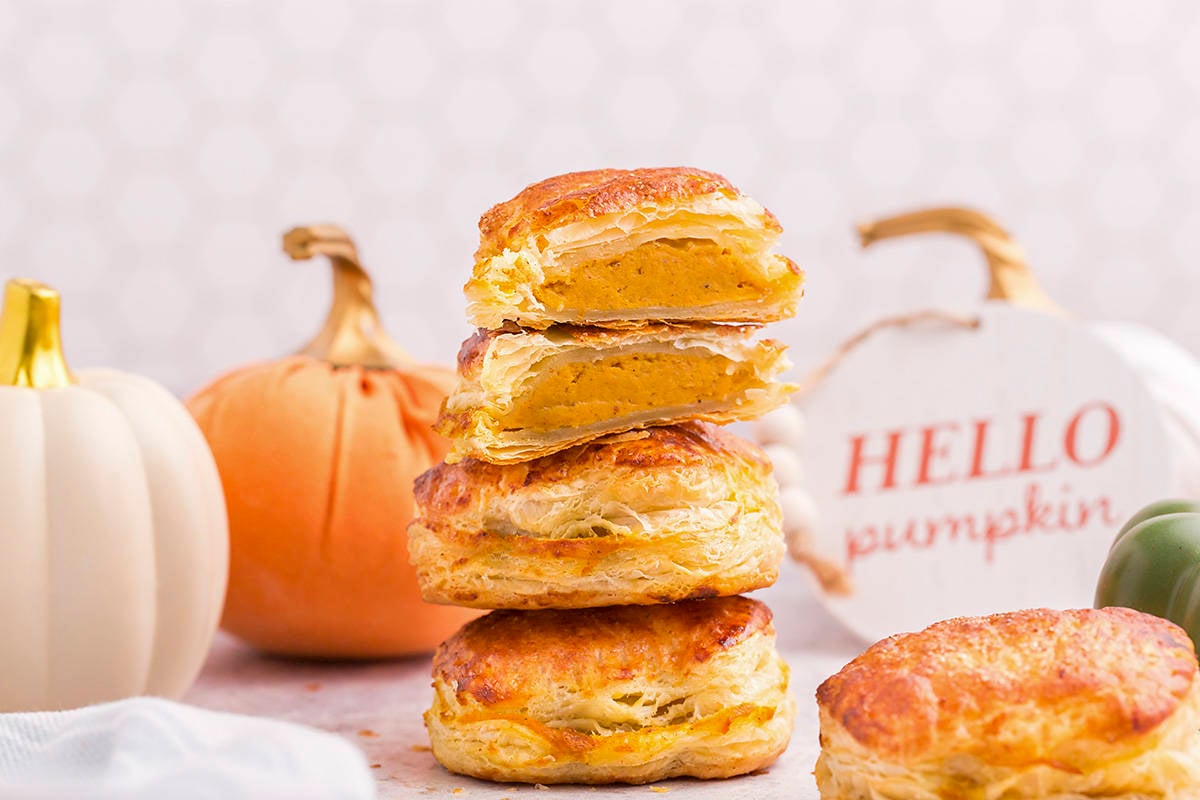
x=1019, y=686
x=687, y=446
x=578, y=196
x=475, y=348
x=507, y=656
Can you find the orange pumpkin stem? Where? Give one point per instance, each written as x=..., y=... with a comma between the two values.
x=1010, y=276
x=352, y=334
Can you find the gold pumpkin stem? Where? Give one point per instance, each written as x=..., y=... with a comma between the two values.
x=1010, y=276
x=31, y=352
x=352, y=334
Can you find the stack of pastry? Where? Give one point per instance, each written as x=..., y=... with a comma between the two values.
x=591, y=496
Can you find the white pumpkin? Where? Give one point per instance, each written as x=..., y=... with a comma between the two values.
x=963, y=427
x=113, y=533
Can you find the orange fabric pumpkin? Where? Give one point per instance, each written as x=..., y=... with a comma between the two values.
x=317, y=454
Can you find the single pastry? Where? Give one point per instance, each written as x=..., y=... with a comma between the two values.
x=525, y=394
x=612, y=246
x=1030, y=704
x=624, y=694
x=644, y=517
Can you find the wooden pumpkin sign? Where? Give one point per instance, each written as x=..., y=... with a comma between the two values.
x=114, y=543
x=976, y=461
x=318, y=452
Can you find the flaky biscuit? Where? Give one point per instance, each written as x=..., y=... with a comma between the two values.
x=526, y=394
x=621, y=694
x=1030, y=704
x=651, y=516
x=610, y=247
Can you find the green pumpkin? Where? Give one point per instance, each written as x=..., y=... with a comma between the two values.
x=1154, y=564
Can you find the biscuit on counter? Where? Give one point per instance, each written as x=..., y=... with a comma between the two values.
x=612, y=247
x=1030, y=704
x=526, y=394
x=625, y=694
x=650, y=516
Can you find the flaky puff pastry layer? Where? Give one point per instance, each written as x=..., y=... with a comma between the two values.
x=613, y=247
x=1031, y=704
x=624, y=694
x=646, y=517
x=526, y=394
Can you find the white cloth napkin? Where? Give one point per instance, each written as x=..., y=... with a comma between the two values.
x=151, y=749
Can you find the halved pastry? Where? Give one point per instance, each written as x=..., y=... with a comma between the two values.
x=1030, y=704
x=610, y=247
x=645, y=517
x=525, y=394
x=625, y=694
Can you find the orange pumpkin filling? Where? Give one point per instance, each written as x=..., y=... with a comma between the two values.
x=577, y=393
x=664, y=273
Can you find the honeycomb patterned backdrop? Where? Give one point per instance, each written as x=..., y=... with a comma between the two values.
x=153, y=151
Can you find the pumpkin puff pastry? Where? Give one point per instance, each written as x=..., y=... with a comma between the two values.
x=526, y=394
x=616, y=247
x=1031, y=704
x=622, y=694
x=645, y=517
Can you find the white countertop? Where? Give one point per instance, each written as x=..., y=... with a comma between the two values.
x=378, y=706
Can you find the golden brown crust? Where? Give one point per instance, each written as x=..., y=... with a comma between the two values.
x=446, y=487
x=1059, y=677
x=507, y=657
x=582, y=195
x=475, y=346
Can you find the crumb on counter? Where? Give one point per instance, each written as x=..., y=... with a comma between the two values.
x=660, y=789
x=376, y=766
x=421, y=748
x=367, y=732
x=312, y=687
x=458, y=790
x=541, y=786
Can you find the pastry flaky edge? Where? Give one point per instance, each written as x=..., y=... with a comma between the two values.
x=496, y=367
x=1030, y=704
x=624, y=694
x=653, y=516
x=570, y=226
